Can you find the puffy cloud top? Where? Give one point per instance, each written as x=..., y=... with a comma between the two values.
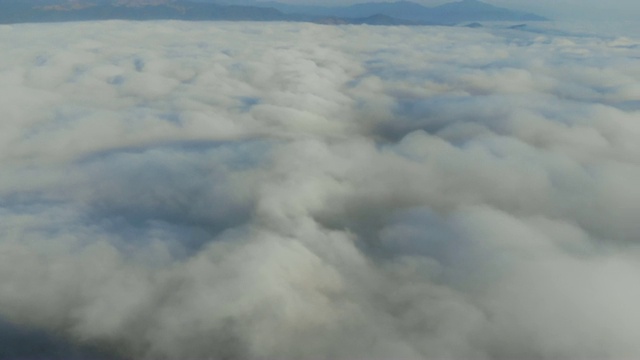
x=180, y=190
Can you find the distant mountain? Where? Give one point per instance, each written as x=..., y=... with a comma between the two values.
x=402, y=9
x=474, y=25
x=451, y=13
x=373, y=13
x=80, y=10
x=380, y=19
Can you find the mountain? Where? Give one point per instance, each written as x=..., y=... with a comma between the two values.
x=81, y=10
x=379, y=19
x=452, y=13
x=374, y=13
x=400, y=9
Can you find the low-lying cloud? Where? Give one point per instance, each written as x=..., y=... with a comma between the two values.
x=176, y=190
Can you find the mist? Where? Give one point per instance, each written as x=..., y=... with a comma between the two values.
x=173, y=190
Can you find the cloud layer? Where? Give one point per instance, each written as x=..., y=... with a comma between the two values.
x=228, y=190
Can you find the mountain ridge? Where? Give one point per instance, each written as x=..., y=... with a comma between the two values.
x=373, y=13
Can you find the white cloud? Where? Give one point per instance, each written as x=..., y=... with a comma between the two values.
x=192, y=190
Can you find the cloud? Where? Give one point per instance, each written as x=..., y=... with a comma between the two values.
x=232, y=190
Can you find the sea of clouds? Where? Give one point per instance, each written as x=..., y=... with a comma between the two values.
x=175, y=190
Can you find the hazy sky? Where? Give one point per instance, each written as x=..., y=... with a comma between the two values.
x=576, y=8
